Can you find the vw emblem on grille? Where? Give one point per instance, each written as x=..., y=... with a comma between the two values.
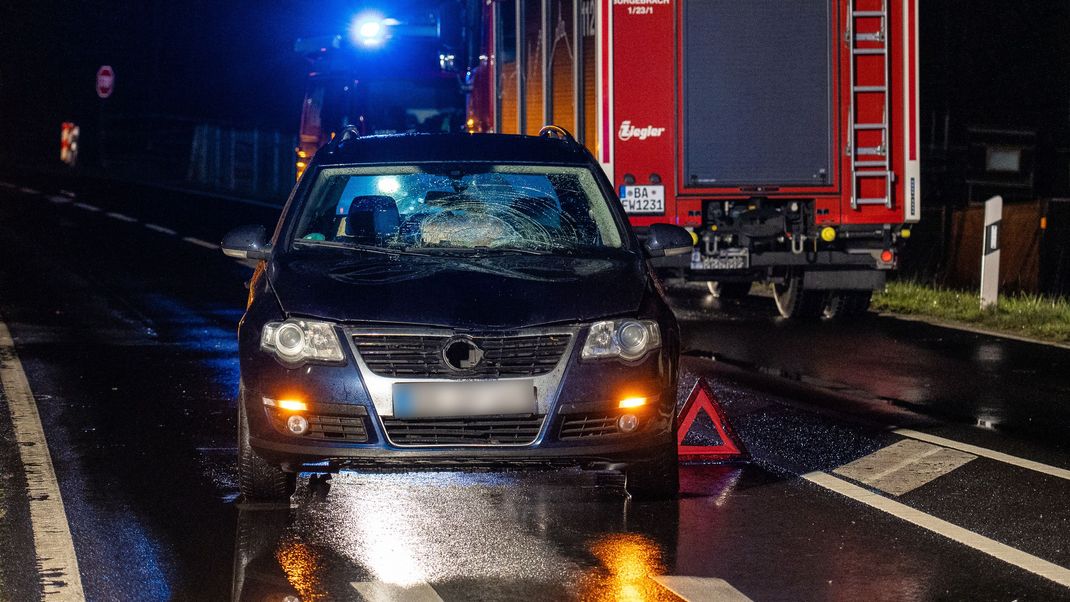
x=462, y=354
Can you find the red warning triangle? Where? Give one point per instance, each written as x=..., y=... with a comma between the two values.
x=703, y=432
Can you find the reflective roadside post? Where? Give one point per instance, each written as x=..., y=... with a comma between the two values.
x=990, y=253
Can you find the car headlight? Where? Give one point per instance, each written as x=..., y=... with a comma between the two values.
x=297, y=341
x=625, y=339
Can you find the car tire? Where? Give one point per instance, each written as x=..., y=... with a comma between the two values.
x=728, y=291
x=655, y=479
x=796, y=303
x=257, y=479
x=848, y=304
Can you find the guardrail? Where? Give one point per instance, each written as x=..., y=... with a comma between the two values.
x=257, y=163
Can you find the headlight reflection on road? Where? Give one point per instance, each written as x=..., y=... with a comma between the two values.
x=387, y=553
x=629, y=559
x=302, y=566
x=408, y=529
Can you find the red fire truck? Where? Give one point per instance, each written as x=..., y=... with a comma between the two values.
x=784, y=134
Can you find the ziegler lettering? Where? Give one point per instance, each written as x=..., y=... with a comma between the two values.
x=629, y=131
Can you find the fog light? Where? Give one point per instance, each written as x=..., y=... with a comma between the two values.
x=297, y=424
x=628, y=423
x=828, y=234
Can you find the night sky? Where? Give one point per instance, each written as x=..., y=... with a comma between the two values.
x=224, y=62
x=990, y=62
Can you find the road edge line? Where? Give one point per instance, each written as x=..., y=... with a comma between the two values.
x=984, y=452
x=57, y=563
x=1000, y=551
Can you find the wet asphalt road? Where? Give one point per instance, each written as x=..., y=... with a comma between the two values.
x=124, y=321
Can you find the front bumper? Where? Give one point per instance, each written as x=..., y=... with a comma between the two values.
x=575, y=423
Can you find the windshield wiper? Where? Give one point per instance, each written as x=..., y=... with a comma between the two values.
x=476, y=251
x=354, y=247
x=524, y=251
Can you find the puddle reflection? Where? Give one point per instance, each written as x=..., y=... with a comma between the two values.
x=558, y=535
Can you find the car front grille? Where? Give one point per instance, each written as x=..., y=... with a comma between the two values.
x=420, y=356
x=482, y=430
x=579, y=426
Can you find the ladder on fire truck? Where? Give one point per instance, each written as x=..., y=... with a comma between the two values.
x=869, y=169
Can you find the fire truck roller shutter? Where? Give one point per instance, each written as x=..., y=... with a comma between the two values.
x=757, y=93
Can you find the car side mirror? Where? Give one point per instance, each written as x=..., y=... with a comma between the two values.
x=247, y=242
x=666, y=240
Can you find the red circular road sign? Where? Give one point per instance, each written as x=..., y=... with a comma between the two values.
x=105, y=81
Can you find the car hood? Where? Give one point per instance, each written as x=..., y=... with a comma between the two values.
x=502, y=291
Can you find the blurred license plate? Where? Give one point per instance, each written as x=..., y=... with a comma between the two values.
x=737, y=260
x=440, y=400
x=643, y=199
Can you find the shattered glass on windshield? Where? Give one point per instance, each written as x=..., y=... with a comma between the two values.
x=460, y=208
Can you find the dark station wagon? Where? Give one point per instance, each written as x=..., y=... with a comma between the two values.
x=452, y=301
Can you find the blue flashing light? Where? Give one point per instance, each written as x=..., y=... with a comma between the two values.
x=369, y=30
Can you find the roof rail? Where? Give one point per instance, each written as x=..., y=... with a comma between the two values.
x=556, y=131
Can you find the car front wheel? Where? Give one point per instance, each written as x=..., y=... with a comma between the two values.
x=257, y=479
x=657, y=478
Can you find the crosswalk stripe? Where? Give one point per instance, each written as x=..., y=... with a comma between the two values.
x=378, y=591
x=904, y=466
x=689, y=589
x=1054, y=471
x=700, y=589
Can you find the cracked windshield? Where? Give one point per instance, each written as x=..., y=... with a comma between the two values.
x=521, y=208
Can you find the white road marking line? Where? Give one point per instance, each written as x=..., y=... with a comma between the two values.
x=904, y=466
x=121, y=217
x=59, y=200
x=1054, y=471
x=378, y=591
x=200, y=243
x=87, y=206
x=8, y=185
x=213, y=195
x=57, y=563
x=26, y=190
x=700, y=589
x=161, y=229
x=993, y=548
x=67, y=193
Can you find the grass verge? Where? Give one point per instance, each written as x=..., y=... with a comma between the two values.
x=1033, y=316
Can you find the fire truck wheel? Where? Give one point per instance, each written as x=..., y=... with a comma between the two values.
x=848, y=304
x=797, y=303
x=728, y=290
